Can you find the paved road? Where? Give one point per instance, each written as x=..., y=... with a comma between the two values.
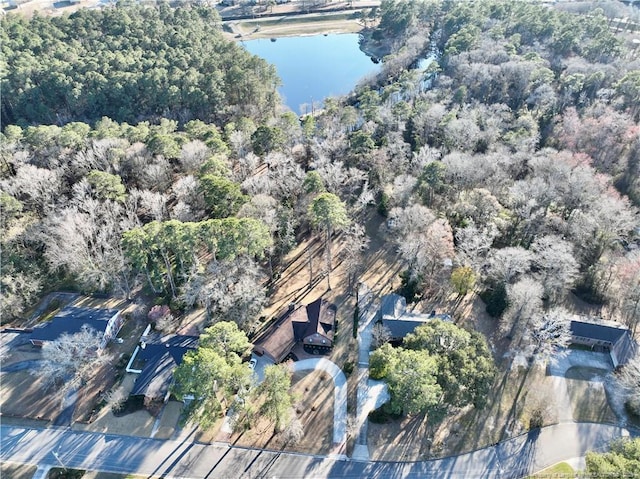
x=185, y=459
x=340, y=393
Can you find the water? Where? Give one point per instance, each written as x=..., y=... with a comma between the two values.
x=313, y=68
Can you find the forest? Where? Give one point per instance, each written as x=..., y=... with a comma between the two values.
x=143, y=152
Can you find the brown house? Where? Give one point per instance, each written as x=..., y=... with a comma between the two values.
x=312, y=325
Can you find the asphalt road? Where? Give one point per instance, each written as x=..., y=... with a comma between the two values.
x=186, y=459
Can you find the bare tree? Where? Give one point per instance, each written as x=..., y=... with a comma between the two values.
x=550, y=331
x=479, y=205
x=229, y=290
x=507, y=264
x=474, y=244
x=380, y=334
x=629, y=379
x=116, y=398
x=193, y=155
x=556, y=266
x=525, y=301
x=72, y=358
x=293, y=432
x=37, y=188
x=624, y=292
x=424, y=242
x=85, y=239
x=18, y=291
x=356, y=242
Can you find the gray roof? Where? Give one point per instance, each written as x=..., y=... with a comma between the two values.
x=600, y=332
x=161, y=356
x=70, y=321
x=399, y=328
x=622, y=343
x=392, y=306
x=394, y=316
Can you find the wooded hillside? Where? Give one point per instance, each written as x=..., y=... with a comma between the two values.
x=129, y=64
x=510, y=166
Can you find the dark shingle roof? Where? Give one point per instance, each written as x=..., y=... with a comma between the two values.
x=70, y=321
x=622, y=344
x=317, y=317
x=295, y=325
x=161, y=356
x=599, y=332
x=399, y=328
x=392, y=306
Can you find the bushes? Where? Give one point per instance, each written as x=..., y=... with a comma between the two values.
x=356, y=318
x=496, y=300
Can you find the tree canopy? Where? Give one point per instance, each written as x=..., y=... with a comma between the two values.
x=464, y=365
x=213, y=373
x=623, y=460
x=129, y=63
x=439, y=365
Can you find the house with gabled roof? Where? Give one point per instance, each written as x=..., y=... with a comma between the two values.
x=71, y=319
x=398, y=321
x=158, y=357
x=611, y=338
x=312, y=325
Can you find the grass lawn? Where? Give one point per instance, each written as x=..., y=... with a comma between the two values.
x=286, y=26
x=516, y=394
x=589, y=402
x=16, y=471
x=560, y=470
x=314, y=409
x=24, y=395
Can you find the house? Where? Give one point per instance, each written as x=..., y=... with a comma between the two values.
x=71, y=320
x=159, y=357
x=312, y=325
x=613, y=339
x=399, y=322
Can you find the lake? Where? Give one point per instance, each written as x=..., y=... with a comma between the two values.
x=314, y=67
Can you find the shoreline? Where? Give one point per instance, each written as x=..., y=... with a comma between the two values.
x=292, y=26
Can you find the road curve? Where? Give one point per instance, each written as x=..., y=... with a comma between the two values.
x=340, y=393
x=184, y=459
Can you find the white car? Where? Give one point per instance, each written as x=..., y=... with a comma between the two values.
x=252, y=363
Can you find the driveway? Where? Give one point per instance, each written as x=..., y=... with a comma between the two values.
x=569, y=358
x=371, y=394
x=11, y=339
x=261, y=363
x=340, y=393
